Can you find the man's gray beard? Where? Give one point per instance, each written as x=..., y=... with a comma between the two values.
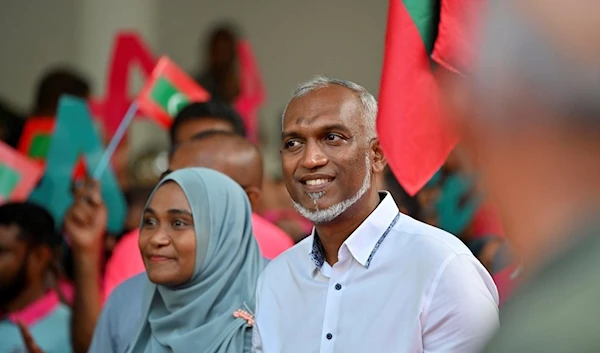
x=324, y=216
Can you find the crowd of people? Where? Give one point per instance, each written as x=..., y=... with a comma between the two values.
x=334, y=255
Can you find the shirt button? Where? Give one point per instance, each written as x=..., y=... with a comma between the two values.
x=338, y=286
x=329, y=336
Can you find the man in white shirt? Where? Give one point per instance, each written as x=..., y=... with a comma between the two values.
x=368, y=279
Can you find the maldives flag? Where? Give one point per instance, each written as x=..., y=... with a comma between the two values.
x=167, y=91
x=36, y=136
x=18, y=174
x=422, y=36
x=35, y=142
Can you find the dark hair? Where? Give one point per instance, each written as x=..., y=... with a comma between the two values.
x=54, y=84
x=210, y=133
x=137, y=195
x=213, y=110
x=36, y=225
x=223, y=31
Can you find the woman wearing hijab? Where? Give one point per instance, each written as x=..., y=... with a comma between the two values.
x=202, y=263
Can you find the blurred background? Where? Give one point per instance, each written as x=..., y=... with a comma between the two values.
x=291, y=40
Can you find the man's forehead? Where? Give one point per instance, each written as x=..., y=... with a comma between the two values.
x=331, y=104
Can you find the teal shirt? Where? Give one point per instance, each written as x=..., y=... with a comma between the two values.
x=51, y=333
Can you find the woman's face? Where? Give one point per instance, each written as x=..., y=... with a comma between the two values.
x=167, y=237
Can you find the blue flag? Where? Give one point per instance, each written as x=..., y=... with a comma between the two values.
x=74, y=135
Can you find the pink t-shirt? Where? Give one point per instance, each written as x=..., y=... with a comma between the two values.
x=37, y=310
x=126, y=260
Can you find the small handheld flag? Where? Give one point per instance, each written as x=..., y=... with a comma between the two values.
x=75, y=135
x=18, y=174
x=114, y=142
x=36, y=136
x=168, y=90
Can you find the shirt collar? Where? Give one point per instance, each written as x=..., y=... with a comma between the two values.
x=37, y=310
x=363, y=242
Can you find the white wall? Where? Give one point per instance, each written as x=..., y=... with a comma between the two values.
x=30, y=41
x=292, y=40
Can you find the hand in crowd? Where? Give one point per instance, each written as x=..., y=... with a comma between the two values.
x=30, y=344
x=85, y=221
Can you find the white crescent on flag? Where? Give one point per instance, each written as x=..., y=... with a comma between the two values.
x=174, y=102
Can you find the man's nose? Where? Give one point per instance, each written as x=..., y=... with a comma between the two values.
x=314, y=156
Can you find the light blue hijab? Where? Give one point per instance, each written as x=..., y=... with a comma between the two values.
x=197, y=316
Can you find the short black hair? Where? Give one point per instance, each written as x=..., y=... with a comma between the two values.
x=211, y=109
x=36, y=225
x=210, y=133
x=54, y=84
x=137, y=195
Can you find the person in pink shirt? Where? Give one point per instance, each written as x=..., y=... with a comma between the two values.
x=230, y=154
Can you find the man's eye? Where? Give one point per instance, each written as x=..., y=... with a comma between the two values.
x=291, y=144
x=333, y=137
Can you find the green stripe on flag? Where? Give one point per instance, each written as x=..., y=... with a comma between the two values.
x=168, y=97
x=39, y=146
x=9, y=178
x=426, y=16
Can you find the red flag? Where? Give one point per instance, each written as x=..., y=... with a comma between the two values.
x=18, y=174
x=168, y=90
x=253, y=92
x=411, y=124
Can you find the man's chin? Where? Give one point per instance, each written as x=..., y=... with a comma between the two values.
x=316, y=204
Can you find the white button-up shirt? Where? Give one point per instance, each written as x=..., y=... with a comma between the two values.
x=399, y=286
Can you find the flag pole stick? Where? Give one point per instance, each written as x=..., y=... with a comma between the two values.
x=114, y=142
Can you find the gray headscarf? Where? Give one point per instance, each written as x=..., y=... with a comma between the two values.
x=197, y=316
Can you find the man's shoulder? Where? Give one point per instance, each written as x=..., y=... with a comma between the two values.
x=419, y=238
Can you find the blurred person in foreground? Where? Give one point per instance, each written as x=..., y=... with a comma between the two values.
x=535, y=134
x=27, y=301
x=369, y=278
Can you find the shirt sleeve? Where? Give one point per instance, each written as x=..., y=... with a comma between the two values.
x=461, y=313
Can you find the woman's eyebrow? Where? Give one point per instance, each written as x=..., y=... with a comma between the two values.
x=179, y=212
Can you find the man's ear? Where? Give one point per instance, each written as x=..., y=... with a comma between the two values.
x=379, y=162
x=254, y=195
